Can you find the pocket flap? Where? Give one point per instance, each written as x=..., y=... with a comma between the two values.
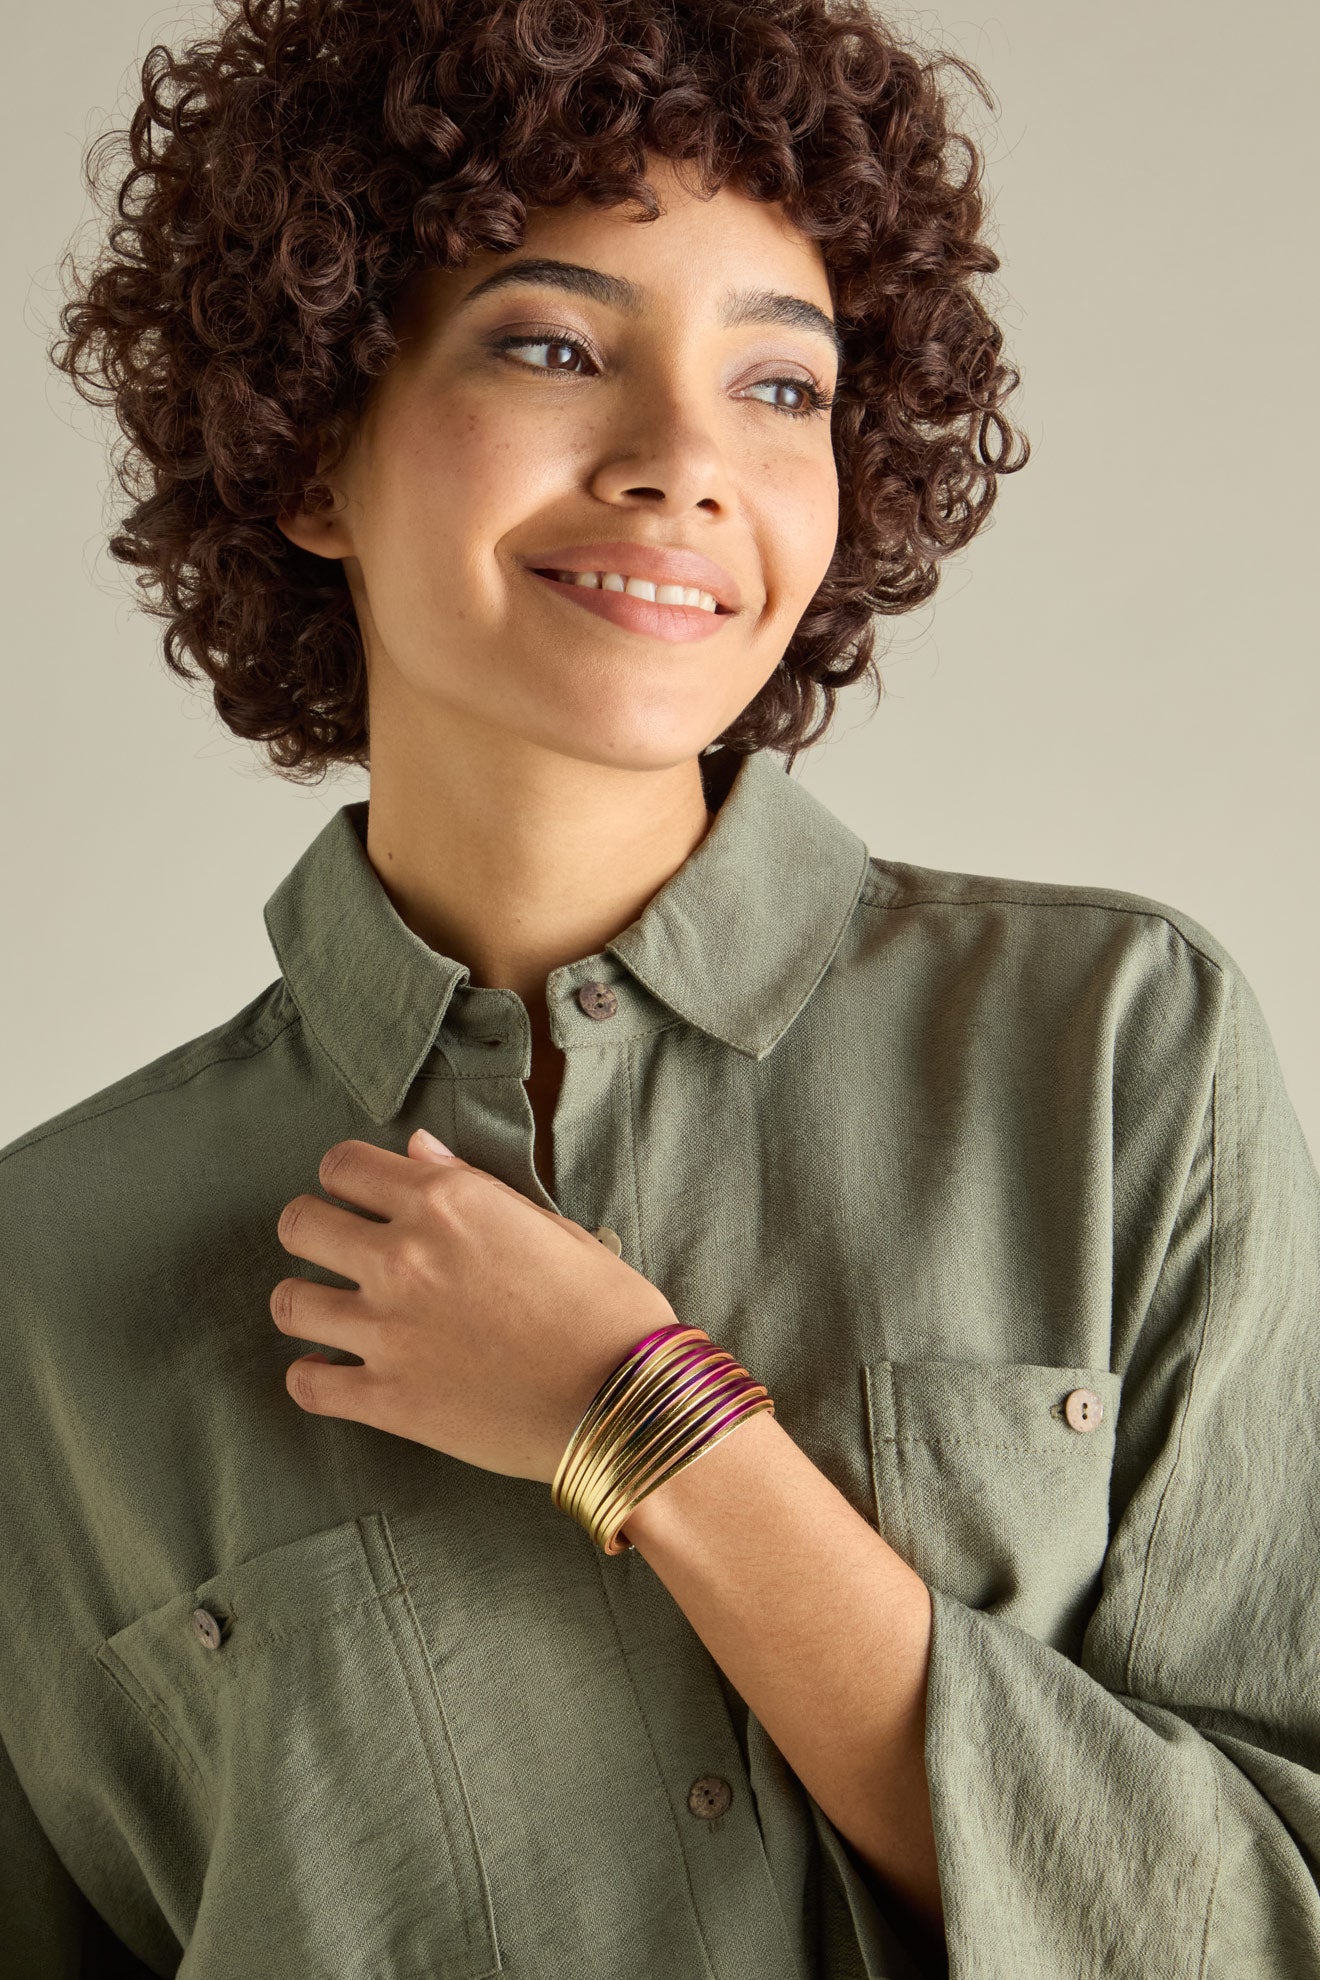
x=988, y=1489
x=1007, y=1406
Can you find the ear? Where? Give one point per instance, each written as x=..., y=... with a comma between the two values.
x=324, y=531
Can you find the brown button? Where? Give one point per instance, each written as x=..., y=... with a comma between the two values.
x=610, y=1240
x=597, y=1000
x=208, y=1629
x=1083, y=1409
x=709, y=1796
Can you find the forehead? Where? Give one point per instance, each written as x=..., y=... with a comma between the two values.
x=722, y=253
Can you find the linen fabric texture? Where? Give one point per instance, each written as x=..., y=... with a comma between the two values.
x=926, y=1152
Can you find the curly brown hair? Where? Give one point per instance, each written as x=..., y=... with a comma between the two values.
x=283, y=178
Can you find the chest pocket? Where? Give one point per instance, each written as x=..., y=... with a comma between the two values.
x=988, y=1489
x=295, y=1694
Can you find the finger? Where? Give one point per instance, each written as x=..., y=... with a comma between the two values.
x=457, y=1162
x=311, y=1312
x=456, y=1166
x=327, y=1388
x=364, y=1174
x=327, y=1234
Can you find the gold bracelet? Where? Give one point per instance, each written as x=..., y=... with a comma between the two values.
x=674, y=1397
x=594, y=1434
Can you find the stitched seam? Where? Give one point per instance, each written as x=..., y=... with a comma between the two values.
x=1012, y=900
x=349, y=1081
x=1157, y=1631
x=1017, y=1446
x=471, y=1844
x=451, y=1072
x=257, y=1639
x=150, y=1708
x=1203, y=1966
x=636, y=1192
x=168, y=1086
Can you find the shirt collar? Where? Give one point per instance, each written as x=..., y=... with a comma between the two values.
x=734, y=942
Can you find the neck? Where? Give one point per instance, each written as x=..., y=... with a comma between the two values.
x=515, y=859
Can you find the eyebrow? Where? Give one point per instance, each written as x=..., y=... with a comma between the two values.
x=740, y=306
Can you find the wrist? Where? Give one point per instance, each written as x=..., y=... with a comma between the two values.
x=663, y=1514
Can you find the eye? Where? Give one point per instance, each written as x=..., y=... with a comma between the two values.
x=817, y=401
x=556, y=340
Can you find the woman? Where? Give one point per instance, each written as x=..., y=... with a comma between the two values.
x=812, y=1358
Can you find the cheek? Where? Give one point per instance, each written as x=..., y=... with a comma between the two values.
x=434, y=474
x=798, y=522
x=444, y=487
x=816, y=495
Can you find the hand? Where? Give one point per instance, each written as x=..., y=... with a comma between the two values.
x=485, y=1323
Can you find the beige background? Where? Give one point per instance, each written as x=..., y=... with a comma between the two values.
x=1116, y=684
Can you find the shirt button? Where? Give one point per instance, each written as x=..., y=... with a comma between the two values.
x=1083, y=1409
x=208, y=1629
x=610, y=1240
x=597, y=1000
x=709, y=1796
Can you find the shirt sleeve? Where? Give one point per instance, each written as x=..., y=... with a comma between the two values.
x=1154, y=1807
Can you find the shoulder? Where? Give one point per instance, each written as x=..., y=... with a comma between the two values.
x=1052, y=978
x=143, y=1118
x=1075, y=946
x=1036, y=909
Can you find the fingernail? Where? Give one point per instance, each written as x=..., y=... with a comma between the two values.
x=432, y=1141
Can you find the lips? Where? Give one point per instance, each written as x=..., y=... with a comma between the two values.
x=677, y=623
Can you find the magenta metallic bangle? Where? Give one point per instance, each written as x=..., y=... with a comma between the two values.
x=667, y=1403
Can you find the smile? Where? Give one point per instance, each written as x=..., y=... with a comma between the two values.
x=637, y=608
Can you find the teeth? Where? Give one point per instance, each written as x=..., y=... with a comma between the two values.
x=663, y=594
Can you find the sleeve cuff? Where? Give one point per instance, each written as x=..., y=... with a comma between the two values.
x=1077, y=1831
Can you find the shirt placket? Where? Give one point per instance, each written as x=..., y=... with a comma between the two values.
x=689, y=1796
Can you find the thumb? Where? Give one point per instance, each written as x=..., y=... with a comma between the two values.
x=425, y=1145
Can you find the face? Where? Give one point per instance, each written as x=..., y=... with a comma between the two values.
x=525, y=428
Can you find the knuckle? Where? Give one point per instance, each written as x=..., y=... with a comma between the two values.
x=406, y=1262
x=281, y=1303
x=333, y=1160
x=290, y=1217
x=435, y=1189
x=302, y=1384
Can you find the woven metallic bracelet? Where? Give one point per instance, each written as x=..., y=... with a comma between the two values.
x=667, y=1403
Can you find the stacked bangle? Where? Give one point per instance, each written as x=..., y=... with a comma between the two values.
x=666, y=1404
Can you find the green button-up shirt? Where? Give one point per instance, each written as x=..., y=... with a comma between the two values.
x=994, y=1183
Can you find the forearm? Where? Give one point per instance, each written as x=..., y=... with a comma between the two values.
x=821, y=1627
